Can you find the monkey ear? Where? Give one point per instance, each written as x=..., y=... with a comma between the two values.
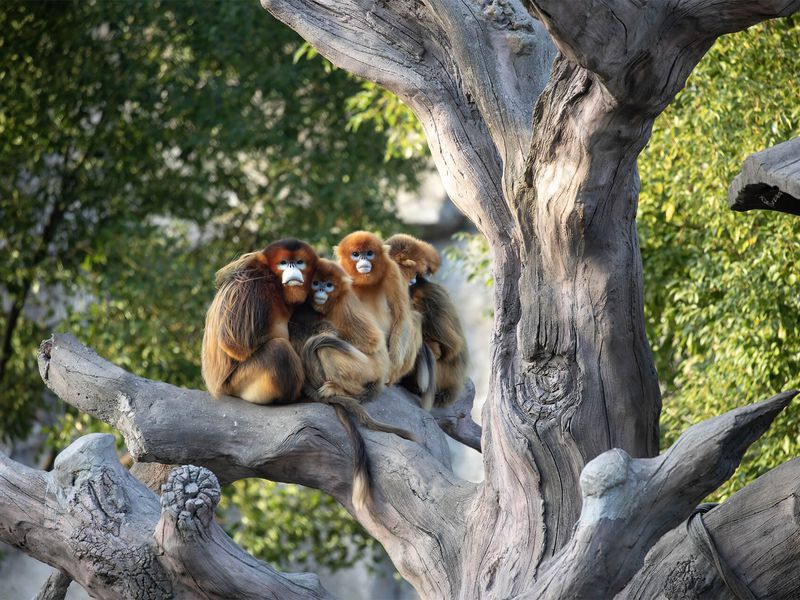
x=409, y=263
x=347, y=280
x=336, y=250
x=387, y=249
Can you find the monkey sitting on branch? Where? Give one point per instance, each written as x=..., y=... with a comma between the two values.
x=379, y=285
x=346, y=363
x=441, y=328
x=246, y=348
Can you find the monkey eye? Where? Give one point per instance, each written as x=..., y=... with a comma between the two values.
x=370, y=254
x=315, y=283
x=283, y=263
x=355, y=254
x=300, y=264
x=329, y=286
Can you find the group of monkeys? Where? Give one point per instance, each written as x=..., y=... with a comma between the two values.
x=285, y=322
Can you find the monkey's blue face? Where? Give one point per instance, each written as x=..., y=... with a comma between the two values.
x=363, y=260
x=321, y=290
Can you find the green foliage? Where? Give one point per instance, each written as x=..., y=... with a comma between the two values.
x=301, y=527
x=722, y=302
x=143, y=145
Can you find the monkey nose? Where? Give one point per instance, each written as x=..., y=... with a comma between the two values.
x=363, y=266
x=292, y=276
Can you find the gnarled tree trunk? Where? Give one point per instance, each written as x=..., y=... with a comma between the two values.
x=535, y=115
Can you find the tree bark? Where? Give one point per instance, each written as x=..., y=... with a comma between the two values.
x=535, y=115
x=770, y=180
x=95, y=522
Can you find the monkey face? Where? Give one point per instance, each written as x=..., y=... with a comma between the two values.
x=363, y=257
x=293, y=262
x=328, y=285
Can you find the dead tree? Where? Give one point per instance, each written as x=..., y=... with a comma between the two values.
x=535, y=114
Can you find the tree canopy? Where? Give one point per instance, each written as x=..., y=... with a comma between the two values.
x=144, y=145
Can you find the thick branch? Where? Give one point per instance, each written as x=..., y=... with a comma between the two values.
x=769, y=180
x=193, y=543
x=456, y=419
x=718, y=18
x=92, y=520
x=757, y=534
x=417, y=513
x=470, y=72
x=628, y=504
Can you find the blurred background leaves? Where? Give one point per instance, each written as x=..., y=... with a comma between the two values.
x=143, y=145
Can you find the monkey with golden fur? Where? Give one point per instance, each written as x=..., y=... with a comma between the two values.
x=441, y=327
x=346, y=363
x=246, y=348
x=379, y=284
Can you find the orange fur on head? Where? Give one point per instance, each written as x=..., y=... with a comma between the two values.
x=360, y=243
x=246, y=350
x=291, y=251
x=329, y=284
x=384, y=292
x=413, y=256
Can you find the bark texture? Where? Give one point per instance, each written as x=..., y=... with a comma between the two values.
x=95, y=522
x=535, y=114
x=769, y=180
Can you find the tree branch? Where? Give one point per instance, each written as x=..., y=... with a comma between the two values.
x=628, y=504
x=757, y=533
x=417, y=509
x=719, y=18
x=193, y=543
x=456, y=419
x=92, y=520
x=769, y=180
x=470, y=74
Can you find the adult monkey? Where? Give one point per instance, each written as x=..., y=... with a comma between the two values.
x=246, y=349
x=346, y=364
x=442, y=332
x=379, y=284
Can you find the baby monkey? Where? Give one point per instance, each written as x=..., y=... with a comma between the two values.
x=441, y=328
x=347, y=363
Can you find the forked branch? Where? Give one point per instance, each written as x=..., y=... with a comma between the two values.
x=95, y=522
x=413, y=488
x=628, y=504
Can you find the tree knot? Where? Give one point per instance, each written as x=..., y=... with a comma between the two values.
x=190, y=496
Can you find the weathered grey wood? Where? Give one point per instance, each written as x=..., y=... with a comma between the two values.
x=96, y=523
x=299, y=443
x=195, y=545
x=55, y=588
x=456, y=419
x=757, y=532
x=628, y=504
x=769, y=180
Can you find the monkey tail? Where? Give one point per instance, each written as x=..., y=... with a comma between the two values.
x=426, y=377
x=354, y=407
x=323, y=340
x=361, y=480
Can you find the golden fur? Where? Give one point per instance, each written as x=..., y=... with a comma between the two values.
x=441, y=327
x=346, y=363
x=246, y=350
x=384, y=293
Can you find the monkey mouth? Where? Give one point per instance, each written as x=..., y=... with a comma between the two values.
x=363, y=266
x=320, y=298
x=292, y=276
